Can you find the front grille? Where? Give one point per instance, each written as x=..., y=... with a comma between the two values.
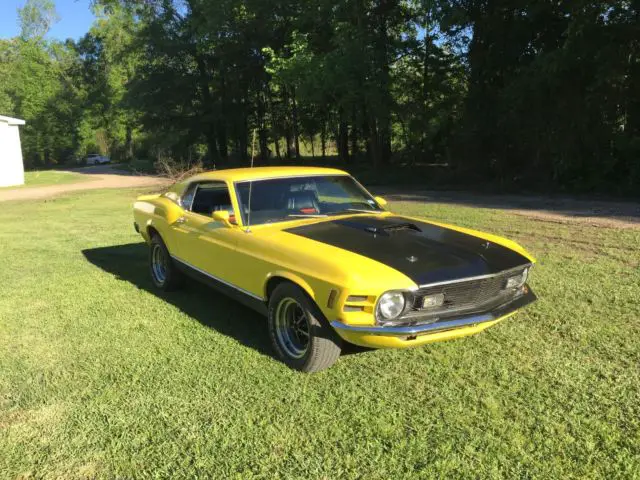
x=465, y=296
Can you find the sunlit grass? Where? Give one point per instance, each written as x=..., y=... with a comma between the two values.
x=103, y=377
x=50, y=177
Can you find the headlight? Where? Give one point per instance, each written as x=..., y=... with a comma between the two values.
x=517, y=280
x=390, y=305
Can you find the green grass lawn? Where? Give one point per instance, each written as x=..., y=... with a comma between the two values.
x=100, y=376
x=41, y=178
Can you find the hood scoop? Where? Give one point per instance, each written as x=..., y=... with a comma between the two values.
x=393, y=228
x=424, y=252
x=379, y=226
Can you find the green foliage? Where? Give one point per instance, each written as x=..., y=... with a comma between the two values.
x=529, y=93
x=70, y=94
x=36, y=18
x=38, y=89
x=108, y=62
x=553, y=92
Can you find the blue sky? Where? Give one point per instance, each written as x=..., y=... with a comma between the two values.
x=75, y=18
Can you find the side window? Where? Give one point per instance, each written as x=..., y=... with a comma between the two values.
x=211, y=197
x=187, y=196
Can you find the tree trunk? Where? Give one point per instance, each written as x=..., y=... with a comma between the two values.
x=128, y=143
x=222, y=141
x=366, y=134
x=383, y=66
x=262, y=130
x=236, y=147
x=274, y=130
x=287, y=138
x=208, y=111
x=222, y=123
x=212, y=148
x=287, y=125
x=384, y=136
x=243, y=135
x=374, y=144
x=323, y=140
x=343, y=137
x=276, y=144
x=425, y=90
x=294, y=115
x=354, y=136
x=264, y=145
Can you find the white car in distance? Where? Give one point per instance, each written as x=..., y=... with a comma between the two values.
x=97, y=159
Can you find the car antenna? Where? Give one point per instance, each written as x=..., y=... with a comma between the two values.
x=253, y=149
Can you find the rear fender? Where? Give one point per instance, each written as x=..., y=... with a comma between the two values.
x=159, y=213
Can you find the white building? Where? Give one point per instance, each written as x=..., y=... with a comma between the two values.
x=11, y=166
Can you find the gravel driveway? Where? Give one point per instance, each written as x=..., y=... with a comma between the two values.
x=549, y=208
x=601, y=213
x=103, y=176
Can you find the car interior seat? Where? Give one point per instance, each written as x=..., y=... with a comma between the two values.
x=303, y=201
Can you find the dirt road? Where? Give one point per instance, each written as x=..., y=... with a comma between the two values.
x=561, y=209
x=601, y=213
x=102, y=176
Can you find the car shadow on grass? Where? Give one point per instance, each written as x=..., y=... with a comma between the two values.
x=212, y=309
x=207, y=306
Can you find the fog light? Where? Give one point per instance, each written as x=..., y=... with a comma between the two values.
x=431, y=301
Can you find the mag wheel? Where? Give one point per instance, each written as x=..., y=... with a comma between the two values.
x=300, y=334
x=292, y=328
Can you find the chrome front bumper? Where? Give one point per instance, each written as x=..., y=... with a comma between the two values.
x=441, y=325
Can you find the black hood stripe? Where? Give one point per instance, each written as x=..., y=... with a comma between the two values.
x=424, y=252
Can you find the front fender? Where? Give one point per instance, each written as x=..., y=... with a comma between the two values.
x=292, y=277
x=505, y=242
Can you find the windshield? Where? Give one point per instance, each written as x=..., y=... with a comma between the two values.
x=280, y=199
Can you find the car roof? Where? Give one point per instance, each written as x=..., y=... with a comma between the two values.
x=260, y=173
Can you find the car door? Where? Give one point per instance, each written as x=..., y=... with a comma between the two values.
x=202, y=243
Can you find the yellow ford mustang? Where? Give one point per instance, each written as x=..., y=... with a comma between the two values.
x=322, y=258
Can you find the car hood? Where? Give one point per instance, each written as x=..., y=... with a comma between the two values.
x=424, y=252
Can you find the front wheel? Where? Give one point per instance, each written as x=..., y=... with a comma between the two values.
x=300, y=334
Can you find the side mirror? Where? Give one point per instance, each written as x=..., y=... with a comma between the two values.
x=222, y=216
x=381, y=201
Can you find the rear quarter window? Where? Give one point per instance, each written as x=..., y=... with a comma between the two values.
x=187, y=197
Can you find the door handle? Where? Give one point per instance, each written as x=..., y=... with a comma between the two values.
x=180, y=220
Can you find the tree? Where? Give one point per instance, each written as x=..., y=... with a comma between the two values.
x=36, y=18
x=109, y=62
x=526, y=92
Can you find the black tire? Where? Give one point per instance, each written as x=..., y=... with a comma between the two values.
x=323, y=346
x=167, y=277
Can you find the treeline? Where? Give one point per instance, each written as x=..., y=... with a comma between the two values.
x=536, y=92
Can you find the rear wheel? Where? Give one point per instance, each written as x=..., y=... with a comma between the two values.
x=164, y=273
x=300, y=334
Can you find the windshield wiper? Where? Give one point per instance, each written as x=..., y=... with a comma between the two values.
x=307, y=215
